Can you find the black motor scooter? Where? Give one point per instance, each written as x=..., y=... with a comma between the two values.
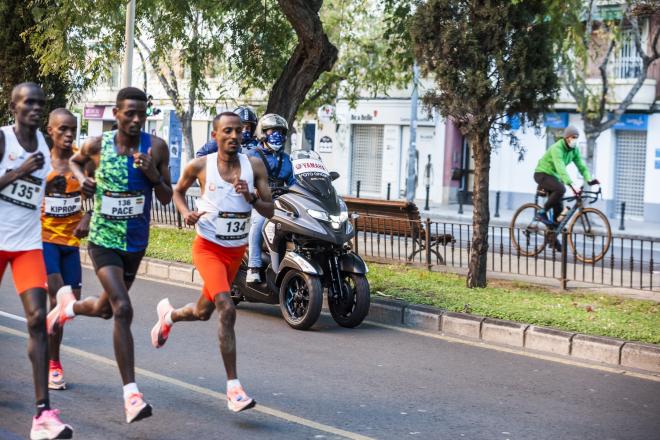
x=306, y=249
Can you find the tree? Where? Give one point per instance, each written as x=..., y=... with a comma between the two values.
x=491, y=60
x=19, y=63
x=594, y=38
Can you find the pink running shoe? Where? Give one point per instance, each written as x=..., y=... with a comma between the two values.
x=238, y=400
x=161, y=330
x=136, y=408
x=49, y=426
x=57, y=316
x=56, y=379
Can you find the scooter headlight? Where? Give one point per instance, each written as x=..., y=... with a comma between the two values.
x=343, y=211
x=319, y=215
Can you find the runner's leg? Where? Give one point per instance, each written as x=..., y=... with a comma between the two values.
x=34, y=305
x=226, y=334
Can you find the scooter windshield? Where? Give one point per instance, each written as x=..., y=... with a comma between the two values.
x=311, y=174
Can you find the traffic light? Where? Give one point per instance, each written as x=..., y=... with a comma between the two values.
x=151, y=109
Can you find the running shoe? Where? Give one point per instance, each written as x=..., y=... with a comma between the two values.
x=161, y=330
x=56, y=379
x=238, y=400
x=57, y=316
x=253, y=276
x=49, y=426
x=136, y=408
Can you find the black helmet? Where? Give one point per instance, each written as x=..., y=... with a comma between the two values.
x=247, y=115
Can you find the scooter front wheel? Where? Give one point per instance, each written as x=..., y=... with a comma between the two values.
x=301, y=299
x=352, y=311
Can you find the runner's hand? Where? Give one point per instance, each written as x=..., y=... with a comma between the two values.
x=33, y=163
x=145, y=163
x=193, y=217
x=241, y=187
x=89, y=187
x=82, y=229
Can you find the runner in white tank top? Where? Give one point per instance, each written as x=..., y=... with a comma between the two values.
x=228, y=181
x=20, y=201
x=24, y=165
x=227, y=218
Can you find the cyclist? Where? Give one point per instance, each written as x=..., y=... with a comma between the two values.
x=248, y=139
x=551, y=175
x=272, y=136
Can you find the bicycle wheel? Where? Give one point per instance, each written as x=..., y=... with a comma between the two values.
x=527, y=234
x=589, y=235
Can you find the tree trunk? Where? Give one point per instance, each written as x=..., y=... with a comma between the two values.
x=591, y=148
x=480, y=215
x=313, y=55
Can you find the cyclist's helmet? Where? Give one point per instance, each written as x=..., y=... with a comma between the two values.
x=247, y=115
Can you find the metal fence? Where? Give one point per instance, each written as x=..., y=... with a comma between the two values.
x=630, y=262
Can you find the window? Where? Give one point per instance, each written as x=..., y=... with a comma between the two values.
x=114, y=77
x=627, y=63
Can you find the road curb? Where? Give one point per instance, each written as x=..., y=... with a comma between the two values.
x=599, y=349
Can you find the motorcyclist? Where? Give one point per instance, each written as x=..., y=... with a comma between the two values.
x=271, y=132
x=248, y=140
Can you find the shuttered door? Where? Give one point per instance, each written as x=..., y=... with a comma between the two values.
x=367, y=160
x=629, y=171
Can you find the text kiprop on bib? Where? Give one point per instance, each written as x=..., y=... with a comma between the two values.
x=122, y=205
x=62, y=205
x=232, y=225
x=23, y=192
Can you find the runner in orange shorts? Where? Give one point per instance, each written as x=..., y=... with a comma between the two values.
x=228, y=180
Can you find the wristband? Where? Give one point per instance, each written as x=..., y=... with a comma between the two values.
x=254, y=199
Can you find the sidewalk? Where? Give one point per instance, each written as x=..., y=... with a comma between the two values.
x=449, y=213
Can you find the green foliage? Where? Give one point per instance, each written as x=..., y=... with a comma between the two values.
x=490, y=59
x=20, y=64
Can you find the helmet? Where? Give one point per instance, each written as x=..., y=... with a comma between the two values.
x=271, y=120
x=246, y=114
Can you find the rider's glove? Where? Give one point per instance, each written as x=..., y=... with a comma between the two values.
x=594, y=182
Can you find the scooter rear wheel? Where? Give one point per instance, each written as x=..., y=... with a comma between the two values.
x=301, y=299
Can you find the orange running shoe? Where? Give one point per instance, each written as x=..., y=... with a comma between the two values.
x=238, y=400
x=57, y=317
x=136, y=408
x=161, y=331
x=49, y=426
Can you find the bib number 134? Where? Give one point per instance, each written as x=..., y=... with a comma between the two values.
x=232, y=225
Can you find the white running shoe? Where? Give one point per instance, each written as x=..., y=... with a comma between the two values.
x=57, y=317
x=136, y=408
x=49, y=426
x=238, y=400
x=253, y=276
x=161, y=330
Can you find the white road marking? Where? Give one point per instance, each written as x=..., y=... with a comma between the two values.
x=197, y=389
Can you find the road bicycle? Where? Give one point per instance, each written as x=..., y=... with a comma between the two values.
x=589, y=233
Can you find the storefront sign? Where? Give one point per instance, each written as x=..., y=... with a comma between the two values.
x=513, y=121
x=93, y=112
x=556, y=120
x=632, y=122
x=325, y=145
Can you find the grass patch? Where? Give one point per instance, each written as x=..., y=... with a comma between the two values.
x=590, y=313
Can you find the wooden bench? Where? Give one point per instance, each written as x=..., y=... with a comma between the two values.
x=397, y=218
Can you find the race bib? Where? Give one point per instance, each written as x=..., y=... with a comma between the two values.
x=62, y=205
x=309, y=166
x=232, y=225
x=122, y=205
x=23, y=192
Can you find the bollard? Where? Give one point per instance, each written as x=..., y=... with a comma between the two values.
x=179, y=223
x=460, y=202
x=622, y=227
x=358, y=190
x=564, y=259
x=426, y=206
x=497, y=204
x=389, y=187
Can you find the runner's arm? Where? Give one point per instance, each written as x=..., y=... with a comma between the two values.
x=163, y=183
x=264, y=203
x=190, y=173
x=80, y=161
x=33, y=163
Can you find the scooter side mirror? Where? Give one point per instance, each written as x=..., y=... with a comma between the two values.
x=334, y=175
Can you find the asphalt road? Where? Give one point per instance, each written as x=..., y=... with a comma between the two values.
x=370, y=382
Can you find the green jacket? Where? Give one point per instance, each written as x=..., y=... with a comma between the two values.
x=554, y=162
